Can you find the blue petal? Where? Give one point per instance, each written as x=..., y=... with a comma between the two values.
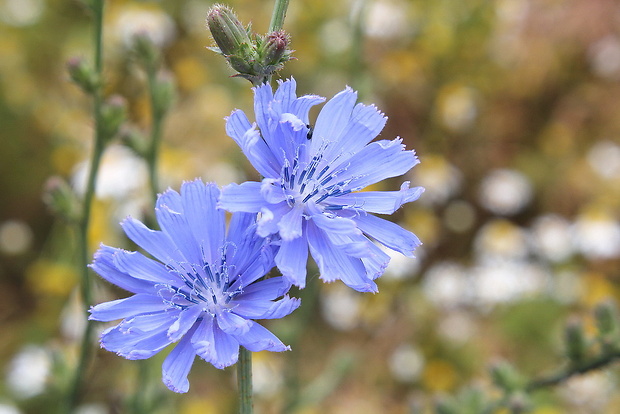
x=333, y=118
x=270, y=217
x=302, y=106
x=291, y=260
x=232, y=324
x=130, y=341
x=285, y=94
x=177, y=365
x=206, y=222
x=157, y=243
x=268, y=289
x=336, y=225
x=174, y=224
x=252, y=144
x=263, y=95
x=139, y=266
x=259, y=338
x=245, y=197
x=290, y=224
x=335, y=264
x=124, y=308
x=382, y=202
x=365, y=124
x=215, y=346
x=376, y=162
x=389, y=234
x=187, y=318
x=376, y=262
x=256, y=309
x=104, y=265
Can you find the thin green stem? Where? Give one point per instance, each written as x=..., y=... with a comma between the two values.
x=244, y=381
x=89, y=194
x=156, y=132
x=560, y=377
x=279, y=13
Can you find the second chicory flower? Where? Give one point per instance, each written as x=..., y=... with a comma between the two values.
x=311, y=195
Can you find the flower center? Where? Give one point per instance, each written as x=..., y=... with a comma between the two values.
x=304, y=182
x=206, y=286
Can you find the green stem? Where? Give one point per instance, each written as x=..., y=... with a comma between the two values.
x=156, y=132
x=244, y=381
x=588, y=366
x=279, y=13
x=89, y=194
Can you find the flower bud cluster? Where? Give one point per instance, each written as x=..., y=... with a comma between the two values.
x=254, y=57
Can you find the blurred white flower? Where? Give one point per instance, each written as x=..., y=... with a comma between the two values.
x=552, y=238
x=447, y=285
x=93, y=408
x=502, y=281
x=501, y=239
x=604, y=57
x=341, y=307
x=335, y=36
x=401, y=266
x=158, y=25
x=505, y=192
x=21, y=13
x=122, y=176
x=457, y=327
x=266, y=377
x=28, y=371
x=597, y=235
x=458, y=108
x=591, y=391
x=387, y=19
x=604, y=158
x=406, y=363
x=440, y=179
x=15, y=237
x=9, y=409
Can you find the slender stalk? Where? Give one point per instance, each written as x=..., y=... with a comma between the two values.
x=89, y=194
x=588, y=366
x=279, y=13
x=244, y=381
x=156, y=132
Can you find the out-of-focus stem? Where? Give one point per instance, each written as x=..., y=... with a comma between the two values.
x=279, y=13
x=89, y=194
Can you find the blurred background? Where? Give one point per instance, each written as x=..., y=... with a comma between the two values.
x=513, y=107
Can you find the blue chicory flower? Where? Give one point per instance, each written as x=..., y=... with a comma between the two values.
x=310, y=195
x=202, y=291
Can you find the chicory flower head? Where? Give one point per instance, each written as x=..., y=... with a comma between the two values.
x=310, y=195
x=202, y=291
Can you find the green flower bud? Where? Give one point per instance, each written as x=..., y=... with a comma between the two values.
x=113, y=114
x=163, y=94
x=227, y=31
x=61, y=199
x=276, y=51
x=606, y=318
x=82, y=75
x=146, y=51
x=134, y=139
x=576, y=344
x=506, y=377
